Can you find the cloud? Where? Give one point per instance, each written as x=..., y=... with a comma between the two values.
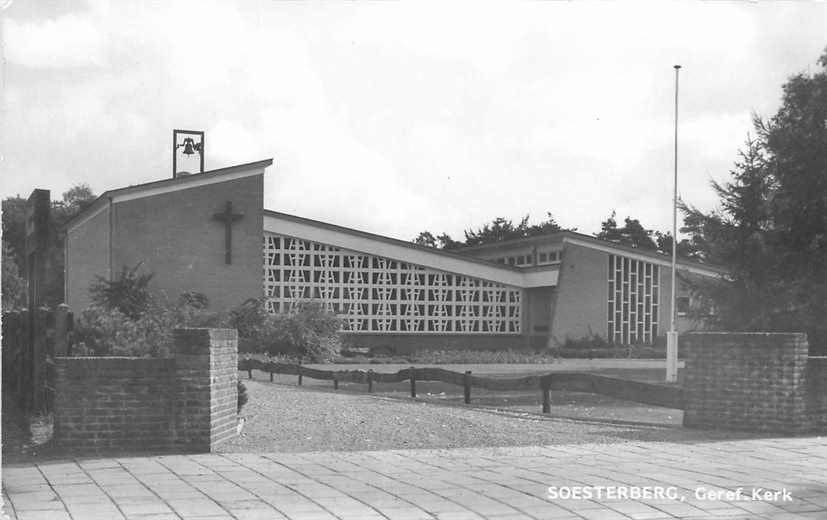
x=69, y=41
x=400, y=117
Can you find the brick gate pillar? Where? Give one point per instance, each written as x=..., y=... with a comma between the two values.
x=206, y=365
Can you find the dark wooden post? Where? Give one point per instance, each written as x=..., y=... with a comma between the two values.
x=413, y=382
x=36, y=239
x=39, y=356
x=22, y=356
x=370, y=380
x=271, y=374
x=299, y=372
x=545, y=384
x=249, y=373
x=466, y=380
x=335, y=383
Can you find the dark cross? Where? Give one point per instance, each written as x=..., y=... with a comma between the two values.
x=228, y=217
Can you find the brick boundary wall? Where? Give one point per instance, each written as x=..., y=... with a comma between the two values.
x=817, y=392
x=183, y=403
x=763, y=382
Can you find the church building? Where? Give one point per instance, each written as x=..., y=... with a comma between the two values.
x=209, y=233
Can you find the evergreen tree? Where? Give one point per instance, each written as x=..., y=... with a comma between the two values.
x=771, y=229
x=14, y=286
x=632, y=234
x=72, y=202
x=737, y=236
x=497, y=230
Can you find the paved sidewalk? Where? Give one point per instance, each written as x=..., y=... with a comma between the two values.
x=496, y=483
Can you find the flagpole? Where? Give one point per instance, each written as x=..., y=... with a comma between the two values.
x=672, y=335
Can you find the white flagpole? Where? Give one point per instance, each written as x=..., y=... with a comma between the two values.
x=672, y=335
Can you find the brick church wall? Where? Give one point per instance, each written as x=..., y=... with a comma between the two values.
x=817, y=392
x=184, y=403
x=753, y=381
x=175, y=236
x=87, y=256
x=580, y=306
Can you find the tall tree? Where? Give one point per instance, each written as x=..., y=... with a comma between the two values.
x=632, y=234
x=771, y=229
x=497, y=230
x=14, y=286
x=737, y=235
x=71, y=203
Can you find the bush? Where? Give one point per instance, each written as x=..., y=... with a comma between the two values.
x=594, y=347
x=479, y=356
x=128, y=293
x=590, y=342
x=310, y=333
x=108, y=332
x=242, y=396
x=104, y=331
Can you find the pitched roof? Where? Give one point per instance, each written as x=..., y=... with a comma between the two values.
x=180, y=181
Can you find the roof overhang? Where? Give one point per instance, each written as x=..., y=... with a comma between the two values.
x=661, y=260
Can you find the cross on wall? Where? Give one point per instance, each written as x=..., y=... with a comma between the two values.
x=228, y=218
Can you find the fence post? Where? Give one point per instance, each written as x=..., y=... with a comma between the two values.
x=22, y=357
x=545, y=384
x=249, y=373
x=62, y=327
x=335, y=383
x=271, y=375
x=39, y=355
x=299, y=372
x=370, y=380
x=413, y=382
x=466, y=381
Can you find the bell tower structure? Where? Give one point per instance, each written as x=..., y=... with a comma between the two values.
x=187, y=144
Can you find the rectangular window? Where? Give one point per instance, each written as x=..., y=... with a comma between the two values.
x=682, y=305
x=632, y=300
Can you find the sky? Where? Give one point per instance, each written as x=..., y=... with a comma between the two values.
x=395, y=117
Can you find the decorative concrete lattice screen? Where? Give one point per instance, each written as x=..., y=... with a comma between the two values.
x=376, y=294
x=633, y=300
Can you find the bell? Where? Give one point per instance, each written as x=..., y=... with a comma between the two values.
x=188, y=147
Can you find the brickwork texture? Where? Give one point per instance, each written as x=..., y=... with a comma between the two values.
x=184, y=403
x=763, y=382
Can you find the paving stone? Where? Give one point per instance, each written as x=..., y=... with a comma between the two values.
x=502, y=483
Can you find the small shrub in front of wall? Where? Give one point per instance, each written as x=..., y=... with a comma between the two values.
x=103, y=330
x=242, y=396
x=309, y=334
x=507, y=356
x=108, y=332
x=596, y=347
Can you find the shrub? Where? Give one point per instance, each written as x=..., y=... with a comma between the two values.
x=479, y=356
x=594, y=346
x=128, y=293
x=310, y=333
x=242, y=396
x=108, y=332
x=591, y=342
x=249, y=318
x=195, y=300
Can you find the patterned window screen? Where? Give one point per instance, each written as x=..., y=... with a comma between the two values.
x=376, y=294
x=634, y=296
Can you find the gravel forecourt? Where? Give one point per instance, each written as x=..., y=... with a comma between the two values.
x=286, y=418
